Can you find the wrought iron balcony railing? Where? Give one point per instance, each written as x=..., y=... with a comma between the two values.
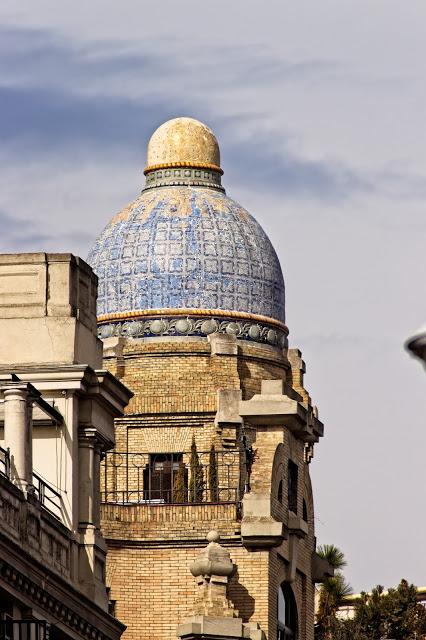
x=11, y=629
x=158, y=479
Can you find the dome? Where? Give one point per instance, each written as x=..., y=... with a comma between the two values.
x=183, y=141
x=184, y=258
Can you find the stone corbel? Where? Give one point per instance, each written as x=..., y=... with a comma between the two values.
x=321, y=568
x=258, y=527
x=273, y=407
x=297, y=526
x=223, y=344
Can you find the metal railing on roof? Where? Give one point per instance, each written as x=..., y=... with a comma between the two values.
x=48, y=497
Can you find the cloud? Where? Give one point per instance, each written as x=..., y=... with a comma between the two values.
x=21, y=235
x=85, y=103
x=269, y=160
x=57, y=96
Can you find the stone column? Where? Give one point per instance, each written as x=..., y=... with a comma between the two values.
x=18, y=434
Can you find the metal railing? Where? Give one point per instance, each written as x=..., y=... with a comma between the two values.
x=156, y=479
x=5, y=462
x=48, y=497
x=11, y=629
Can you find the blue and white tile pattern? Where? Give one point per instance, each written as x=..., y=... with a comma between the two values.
x=187, y=247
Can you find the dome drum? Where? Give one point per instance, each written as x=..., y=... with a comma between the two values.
x=160, y=176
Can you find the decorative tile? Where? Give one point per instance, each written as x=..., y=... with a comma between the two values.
x=187, y=247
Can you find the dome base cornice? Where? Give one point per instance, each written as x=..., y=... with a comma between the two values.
x=193, y=322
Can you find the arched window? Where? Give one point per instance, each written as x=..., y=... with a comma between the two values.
x=287, y=613
x=293, y=472
x=305, y=510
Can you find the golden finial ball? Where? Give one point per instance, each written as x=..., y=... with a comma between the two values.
x=183, y=140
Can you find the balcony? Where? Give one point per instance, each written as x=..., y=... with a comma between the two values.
x=43, y=492
x=47, y=496
x=32, y=521
x=165, y=479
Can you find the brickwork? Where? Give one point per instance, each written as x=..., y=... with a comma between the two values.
x=176, y=383
x=174, y=377
x=168, y=523
x=155, y=591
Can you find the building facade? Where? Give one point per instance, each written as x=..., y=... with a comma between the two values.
x=57, y=410
x=220, y=431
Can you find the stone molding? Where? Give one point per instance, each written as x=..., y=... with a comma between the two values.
x=273, y=407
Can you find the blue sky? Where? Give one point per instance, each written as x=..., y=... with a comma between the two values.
x=319, y=110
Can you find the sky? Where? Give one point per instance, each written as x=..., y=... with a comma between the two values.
x=319, y=111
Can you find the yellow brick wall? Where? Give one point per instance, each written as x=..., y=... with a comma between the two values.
x=175, y=383
x=155, y=590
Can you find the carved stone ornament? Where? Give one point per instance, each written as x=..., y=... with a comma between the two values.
x=213, y=568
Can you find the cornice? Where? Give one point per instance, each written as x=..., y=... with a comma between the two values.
x=183, y=322
x=57, y=605
x=142, y=313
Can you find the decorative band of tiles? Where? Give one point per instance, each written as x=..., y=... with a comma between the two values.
x=181, y=326
x=181, y=176
x=193, y=165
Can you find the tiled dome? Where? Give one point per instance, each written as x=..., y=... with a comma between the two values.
x=187, y=247
x=184, y=249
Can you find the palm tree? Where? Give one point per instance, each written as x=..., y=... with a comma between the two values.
x=333, y=590
x=333, y=555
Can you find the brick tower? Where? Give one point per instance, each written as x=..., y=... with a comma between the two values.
x=220, y=431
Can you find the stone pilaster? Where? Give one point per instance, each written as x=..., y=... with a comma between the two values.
x=92, y=554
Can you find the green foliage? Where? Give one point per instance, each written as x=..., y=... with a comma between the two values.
x=213, y=475
x=378, y=615
x=393, y=614
x=333, y=591
x=180, y=493
x=196, y=482
x=333, y=555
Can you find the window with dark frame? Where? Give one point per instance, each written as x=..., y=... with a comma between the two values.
x=287, y=623
x=159, y=477
x=293, y=472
